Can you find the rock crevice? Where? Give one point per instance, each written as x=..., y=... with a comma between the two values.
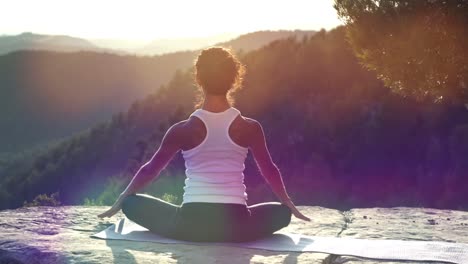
x=347, y=219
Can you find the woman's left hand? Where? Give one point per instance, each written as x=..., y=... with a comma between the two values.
x=115, y=208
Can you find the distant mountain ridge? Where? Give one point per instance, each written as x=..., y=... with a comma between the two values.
x=63, y=43
x=256, y=40
x=32, y=41
x=245, y=42
x=162, y=46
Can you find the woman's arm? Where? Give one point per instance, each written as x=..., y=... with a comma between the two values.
x=269, y=169
x=170, y=145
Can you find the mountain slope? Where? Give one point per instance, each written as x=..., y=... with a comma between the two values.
x=46, y=95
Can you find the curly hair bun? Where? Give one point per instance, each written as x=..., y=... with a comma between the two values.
x=218, y=71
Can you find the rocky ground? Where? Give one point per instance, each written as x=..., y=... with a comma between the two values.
x=61, y=235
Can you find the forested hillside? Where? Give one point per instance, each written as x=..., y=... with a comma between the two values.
x=340, y=138
x=46, y=95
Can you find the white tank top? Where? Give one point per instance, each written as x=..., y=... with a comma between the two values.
x=215, y=168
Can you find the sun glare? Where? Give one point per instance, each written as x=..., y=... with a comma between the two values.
x=146, y=20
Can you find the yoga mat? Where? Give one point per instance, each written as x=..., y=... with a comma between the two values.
x=125, y=229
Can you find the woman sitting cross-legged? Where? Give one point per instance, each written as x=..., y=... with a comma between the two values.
x=214, y=142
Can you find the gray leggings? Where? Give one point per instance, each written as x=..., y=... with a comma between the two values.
x=206, y=222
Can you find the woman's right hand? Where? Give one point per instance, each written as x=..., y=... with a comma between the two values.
x=115, y=208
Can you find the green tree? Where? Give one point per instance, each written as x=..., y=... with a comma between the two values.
x=44, y=200
x=418, y=48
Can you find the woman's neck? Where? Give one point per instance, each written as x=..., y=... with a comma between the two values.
x=215, y=103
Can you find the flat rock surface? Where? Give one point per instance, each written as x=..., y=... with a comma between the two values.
x=61, y=235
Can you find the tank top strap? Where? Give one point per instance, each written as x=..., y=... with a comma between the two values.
x=202, y=116
x=217, y=121
x=229, y=117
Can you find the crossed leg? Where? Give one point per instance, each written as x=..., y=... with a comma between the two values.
x=152, y=213
x=267, y=218
x=162, y=217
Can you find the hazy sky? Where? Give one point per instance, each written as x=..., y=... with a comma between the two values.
x=153, y=19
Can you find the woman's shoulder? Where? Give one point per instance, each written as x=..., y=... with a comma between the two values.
x=250, y=127
x=251, y=123
x=250, y=120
